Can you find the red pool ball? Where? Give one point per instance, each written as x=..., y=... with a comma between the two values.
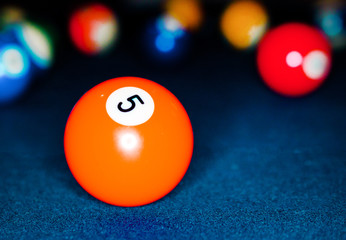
x=294, y=59
x=93, y=29
x=128, y=141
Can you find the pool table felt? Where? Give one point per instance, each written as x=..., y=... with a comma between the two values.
x=264, y=166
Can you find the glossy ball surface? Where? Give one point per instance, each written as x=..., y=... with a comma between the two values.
x=128, y=141
x=243, y=23
x=294, y=59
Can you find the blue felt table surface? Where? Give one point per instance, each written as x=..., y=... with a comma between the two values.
x=264, y=166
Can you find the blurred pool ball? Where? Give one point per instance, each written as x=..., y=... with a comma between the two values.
x=15, y=73
x=165, y=40
x=187, y=12
x=10, y=15
x=243, y=23
x=128, y=141
x=31, y=36
x=93, y=29
x=294, y=59
x=331, y=18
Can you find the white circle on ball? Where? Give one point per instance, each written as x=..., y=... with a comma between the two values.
x=130, y=106
x=13, y=61
x=294, y=59
x=315, y=64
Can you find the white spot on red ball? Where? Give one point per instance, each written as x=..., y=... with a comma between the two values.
x=315, y=64
x=294, y=59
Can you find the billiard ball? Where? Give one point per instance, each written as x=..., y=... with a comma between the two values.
x=167, y=24
x=14, y=72
x=243, y=23
x=93, y=29
x=31, y=36
x=128, y=141
x=165, y=40
x=187, y=12
x=294, y=59
x=37, y=42
x=331, y=18
x=11, y=14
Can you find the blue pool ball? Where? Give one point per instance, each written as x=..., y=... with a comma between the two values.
x=14, y=72
x=34, y=41
x=166, y=40
x=331, y=18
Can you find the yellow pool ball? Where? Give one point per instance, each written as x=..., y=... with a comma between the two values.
x=243, y=23
x=187, y=12
x=11, y=15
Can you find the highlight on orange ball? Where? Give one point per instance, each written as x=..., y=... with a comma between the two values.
x=93, y=29
x=128, y=141
x=187, y=12
x=243, y=23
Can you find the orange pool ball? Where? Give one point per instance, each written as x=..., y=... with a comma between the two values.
x=128, y=141
x=187, y=12
x=243, y=23
x=93, y=29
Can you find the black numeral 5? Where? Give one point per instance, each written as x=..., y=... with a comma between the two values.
x=133, y=104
